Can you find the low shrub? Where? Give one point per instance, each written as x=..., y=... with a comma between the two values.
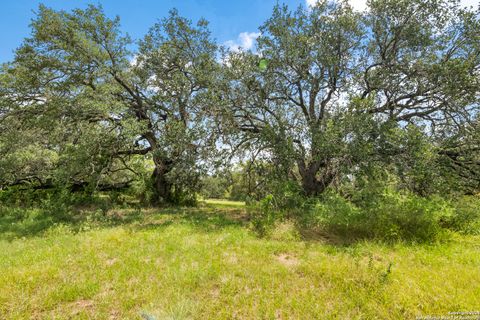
x=386, y=216
x=466, y=217
x=264, y=214
x=285, y=203
x=404, y=216
x=23, y=197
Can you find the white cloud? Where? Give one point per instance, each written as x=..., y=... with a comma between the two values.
x=468, y=3
x=361, y=5
x=245, y=41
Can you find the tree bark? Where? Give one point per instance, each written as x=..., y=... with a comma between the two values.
x=316, y=178
x=162, y=188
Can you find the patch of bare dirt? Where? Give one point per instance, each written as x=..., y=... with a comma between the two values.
x=83, y=305
x=114, y=315
x=288, y=260
x=111, y=262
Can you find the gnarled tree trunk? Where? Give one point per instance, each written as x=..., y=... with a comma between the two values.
x=162, y=187
x=316, y=178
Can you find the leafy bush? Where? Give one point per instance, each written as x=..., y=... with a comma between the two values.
x=144, y=190
x=399, y=216
x=285, y=203
x=22, y=197
x=390, y=216
x=385, y=215
x=264, y=214
x=333, y=213
x=466, y=218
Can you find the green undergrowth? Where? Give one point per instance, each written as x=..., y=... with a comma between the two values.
x=388, y=216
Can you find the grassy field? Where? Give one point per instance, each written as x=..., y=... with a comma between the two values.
x=206, y=263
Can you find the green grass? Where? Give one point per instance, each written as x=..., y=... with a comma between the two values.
x=219, y=203
x=206, y=263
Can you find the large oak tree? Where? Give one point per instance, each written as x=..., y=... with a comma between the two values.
x=330, y=89
x=77, y=90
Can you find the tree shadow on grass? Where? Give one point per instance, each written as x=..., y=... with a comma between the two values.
x=206, y=219
x=17, y=224
x=348, y=239
x=32, y=222
x=312, y=235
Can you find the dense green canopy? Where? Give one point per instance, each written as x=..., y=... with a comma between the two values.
x=329, y=97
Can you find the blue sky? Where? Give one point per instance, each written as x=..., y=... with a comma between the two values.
x=233, y=22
